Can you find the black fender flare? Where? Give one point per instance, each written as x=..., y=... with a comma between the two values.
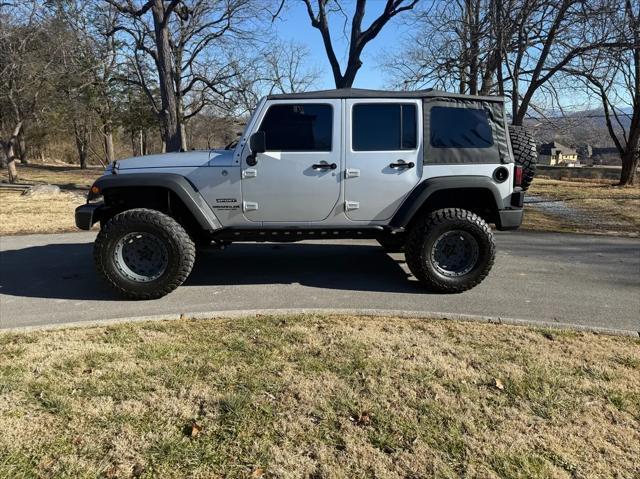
x=421, y=193
x=177, y=184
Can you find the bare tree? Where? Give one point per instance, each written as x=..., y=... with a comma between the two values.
x=511, y=47
x=161, y=53
x=358, y=38
x=25, y=68
x=456, y=46
x=178, y=39
x=277, y=68
x=613, y=75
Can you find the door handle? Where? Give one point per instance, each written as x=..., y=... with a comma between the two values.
x=324, y=166
x=402, y=164
x=249, y=173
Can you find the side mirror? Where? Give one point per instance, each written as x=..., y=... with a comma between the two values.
x=258, y=142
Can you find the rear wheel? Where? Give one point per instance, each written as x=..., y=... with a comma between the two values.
x=450, y=250
x=143, y=254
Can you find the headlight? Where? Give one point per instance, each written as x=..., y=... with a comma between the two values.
x=95, y=195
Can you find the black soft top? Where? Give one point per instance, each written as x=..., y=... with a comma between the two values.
x=364, y=93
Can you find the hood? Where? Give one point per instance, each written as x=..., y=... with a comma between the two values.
x=175, y=160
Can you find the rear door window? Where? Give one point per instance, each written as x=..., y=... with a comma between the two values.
x=460, y=128
x=298, y=127
x=384, y=126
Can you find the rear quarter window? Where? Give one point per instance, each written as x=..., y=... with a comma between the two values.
x=460, y=128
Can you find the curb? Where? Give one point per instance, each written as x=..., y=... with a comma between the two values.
x=329, y=311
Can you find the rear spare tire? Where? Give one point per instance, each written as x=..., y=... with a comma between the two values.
x=524, y=153
x=450, y=250
x=143, y=254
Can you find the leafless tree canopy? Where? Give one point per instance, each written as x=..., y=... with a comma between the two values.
x=530, y=51
x=94, y=80
x=359, y=36
x=84, y=78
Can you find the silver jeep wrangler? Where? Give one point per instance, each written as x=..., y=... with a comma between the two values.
x=422, y=172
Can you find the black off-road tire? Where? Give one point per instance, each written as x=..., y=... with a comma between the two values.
x=427, y=230
x=524, y=153
x=393, y=243
x=180, y=249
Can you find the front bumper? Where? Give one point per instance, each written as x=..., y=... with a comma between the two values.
x=87, y=215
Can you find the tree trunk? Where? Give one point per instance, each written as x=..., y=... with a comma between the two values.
x=11, y=156
x=169, y=111
x=132, y=140
x=82, y=153
x=473, y=17
x=183, y=137
x=82, y=143
x=3, y=154
x=22, y=148
x=11, y=166
x=629, y=167
x=108, y=142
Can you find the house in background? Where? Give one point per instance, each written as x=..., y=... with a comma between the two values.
x=608, y=156
x=556, y=154
x=585, y=154
x=598, y=156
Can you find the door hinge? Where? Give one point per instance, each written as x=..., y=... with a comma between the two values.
x=249, y=173
x=351, y=205
x=351, y=173
x=249, y=205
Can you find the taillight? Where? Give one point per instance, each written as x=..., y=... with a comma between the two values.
x=517, y=175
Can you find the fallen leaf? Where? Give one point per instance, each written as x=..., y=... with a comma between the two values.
x=111, y=472
x=498, y=384
x=193, y=429
x=46, y=464
x=258, y=472
x=363, y=419
x=138, y=470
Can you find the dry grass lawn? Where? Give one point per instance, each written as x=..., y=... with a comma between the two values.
x=612, y=209
x=315, y=397
x=44, y=213
x=37, y=214
x=66, y=177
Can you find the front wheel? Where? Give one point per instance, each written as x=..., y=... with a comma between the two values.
x=143, y=254
x=450, y=250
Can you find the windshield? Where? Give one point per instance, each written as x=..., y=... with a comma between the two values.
x=251, y=119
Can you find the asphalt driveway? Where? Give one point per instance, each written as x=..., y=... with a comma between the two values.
x=560, y=278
